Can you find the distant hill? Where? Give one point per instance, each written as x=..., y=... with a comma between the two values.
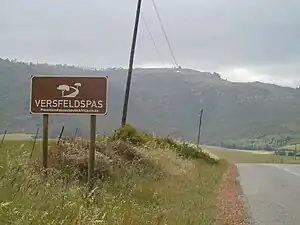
x=167, y=102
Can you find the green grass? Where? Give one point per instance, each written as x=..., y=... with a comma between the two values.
x=291, y=147
x=235, y=156
x=182, y=191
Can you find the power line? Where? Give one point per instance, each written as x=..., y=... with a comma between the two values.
x=152, y=38
x=165, y=33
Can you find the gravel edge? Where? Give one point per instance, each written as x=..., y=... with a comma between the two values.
x=231, y=209
x=248, y=214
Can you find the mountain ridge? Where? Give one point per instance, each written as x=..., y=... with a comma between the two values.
x=166, y=102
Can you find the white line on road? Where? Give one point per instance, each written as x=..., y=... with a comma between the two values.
x=287, y=170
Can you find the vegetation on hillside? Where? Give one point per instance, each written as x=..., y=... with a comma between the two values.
x=239, y=115
x=142, y=179
x=263, y=142
x=235, y=156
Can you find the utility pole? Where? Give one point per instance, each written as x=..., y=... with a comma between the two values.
x=199, y=130
x=135, y=32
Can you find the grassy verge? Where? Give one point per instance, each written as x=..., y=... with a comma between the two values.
x=235, y=156
x=174, y=185
x=291, y=147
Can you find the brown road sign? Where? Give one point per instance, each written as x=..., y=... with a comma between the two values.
x=68, y=95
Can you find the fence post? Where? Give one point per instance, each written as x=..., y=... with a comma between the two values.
x=3, y=137
x=60, y=135
x=34, y=142
x=76, y=131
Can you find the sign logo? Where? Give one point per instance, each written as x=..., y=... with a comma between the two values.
x=63, y=88
x=68, y=95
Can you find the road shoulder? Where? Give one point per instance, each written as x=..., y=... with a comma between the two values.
x=243, y=198
x=230, y=205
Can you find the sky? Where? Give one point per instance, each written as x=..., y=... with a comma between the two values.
x=254, y=40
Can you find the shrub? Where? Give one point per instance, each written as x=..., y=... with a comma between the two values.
x=166, y=142
x=189, y=152
x=130, y=134
x=184, y=150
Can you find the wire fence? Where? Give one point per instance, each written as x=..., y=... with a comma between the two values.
x=6, y=136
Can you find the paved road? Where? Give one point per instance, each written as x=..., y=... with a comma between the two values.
x=272, y=193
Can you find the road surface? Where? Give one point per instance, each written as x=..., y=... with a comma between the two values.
x=271, y=193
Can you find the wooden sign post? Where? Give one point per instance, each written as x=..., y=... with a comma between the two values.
x=91, y=165
x=45, y=140
x=69, y=95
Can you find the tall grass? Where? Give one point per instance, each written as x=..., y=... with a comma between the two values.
x=175, y=190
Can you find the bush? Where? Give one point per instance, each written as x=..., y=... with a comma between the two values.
x=187, y=151
x=184, y=150
x=130, y=134
x=166, y=142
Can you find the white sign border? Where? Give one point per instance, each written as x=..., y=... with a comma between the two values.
x=68, y=114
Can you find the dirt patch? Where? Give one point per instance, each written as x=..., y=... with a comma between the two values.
x=231, y=209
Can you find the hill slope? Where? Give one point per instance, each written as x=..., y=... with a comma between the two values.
x=166, y=102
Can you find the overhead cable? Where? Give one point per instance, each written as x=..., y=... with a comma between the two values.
x=152, y=38
x=165, y=33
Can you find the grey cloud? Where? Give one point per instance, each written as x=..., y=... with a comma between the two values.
x=261, y=35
